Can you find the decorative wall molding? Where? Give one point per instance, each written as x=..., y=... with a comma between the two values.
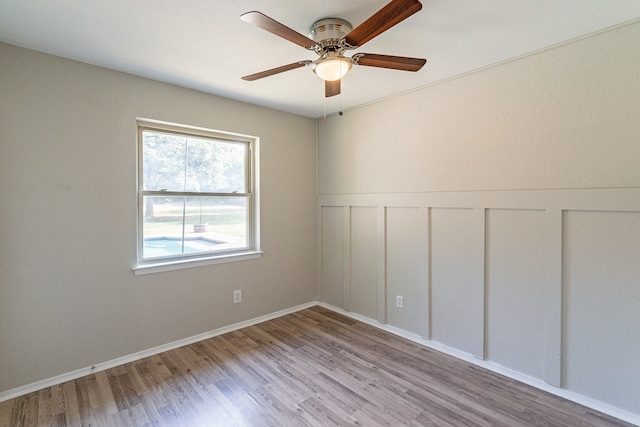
x=554, y=204
x=602, y=199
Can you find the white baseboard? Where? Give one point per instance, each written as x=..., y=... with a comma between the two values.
x=597, y=405
x=534, y=382
x=69, y=376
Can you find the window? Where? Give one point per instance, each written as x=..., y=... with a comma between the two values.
x=197, y=199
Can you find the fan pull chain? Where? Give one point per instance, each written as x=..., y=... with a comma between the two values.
x=324, y=103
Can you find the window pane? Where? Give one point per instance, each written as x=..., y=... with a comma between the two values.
x=163, y=161
x=183, y=226
x=215, y=166
x=179, y=163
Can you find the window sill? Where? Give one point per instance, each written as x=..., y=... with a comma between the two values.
x=160, y=267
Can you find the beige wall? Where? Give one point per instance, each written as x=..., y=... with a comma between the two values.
x=68, y=295
x=564, y=118
x=510, y=221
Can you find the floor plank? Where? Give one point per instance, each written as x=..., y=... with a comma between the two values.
x=310, y=368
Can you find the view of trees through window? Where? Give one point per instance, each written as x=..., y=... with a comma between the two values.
x=195, y=196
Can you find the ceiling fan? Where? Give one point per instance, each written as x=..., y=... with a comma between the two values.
x=332, y=37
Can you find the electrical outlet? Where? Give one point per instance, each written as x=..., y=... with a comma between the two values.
x=237, y=296
x=399, y=301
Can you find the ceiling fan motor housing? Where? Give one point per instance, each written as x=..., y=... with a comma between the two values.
x=328, y=32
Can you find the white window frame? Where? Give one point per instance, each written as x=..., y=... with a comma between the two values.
x=253, y=218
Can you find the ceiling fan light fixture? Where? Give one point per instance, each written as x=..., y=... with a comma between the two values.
x=332, y=68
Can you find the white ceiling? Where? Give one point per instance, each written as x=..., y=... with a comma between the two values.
x=202, y=44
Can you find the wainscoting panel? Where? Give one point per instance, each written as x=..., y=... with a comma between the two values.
x=454, y=313
x=405, y=257
x=542, y=283
x=332, y=256
x=601, y=306
x=515, y=289
x=364, y=278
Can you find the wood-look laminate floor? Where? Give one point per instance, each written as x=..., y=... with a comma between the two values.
x=314, y=367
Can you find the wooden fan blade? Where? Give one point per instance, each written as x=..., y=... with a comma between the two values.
x=388, y=61
x=331, y=88
x=276, y=70
x=390, y=15
x=261, y=20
